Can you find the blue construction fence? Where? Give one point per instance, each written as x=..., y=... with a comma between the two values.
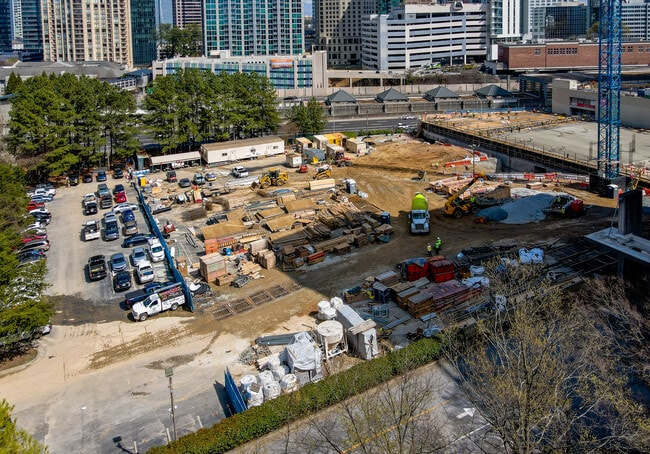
x=232, y=392
x=176, y=275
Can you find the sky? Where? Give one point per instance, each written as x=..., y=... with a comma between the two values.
x=307, y=7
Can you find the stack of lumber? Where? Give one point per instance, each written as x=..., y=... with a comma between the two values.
x=266, y=259
x=294, y=237
x=384, y=229
x=388, y=278
x=361, y=240
x=317, y=231
x=342, y=249
x=250, y=269
x=438, y=298
x=212, y=266
x=224, y=280
x=316, y=257
x=318, y=185
x=329, y=245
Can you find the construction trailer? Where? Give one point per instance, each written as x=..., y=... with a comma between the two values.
x=335, y=138
x=356, y=146
x=219, y=153
x=320, y=141
x=332, y=151
x=293, y=160
x=314, y=155
x=361, y=334
x=302, y=143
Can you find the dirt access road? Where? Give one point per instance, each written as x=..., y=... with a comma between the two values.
x=97, y=387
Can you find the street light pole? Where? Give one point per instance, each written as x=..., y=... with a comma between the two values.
x=169, y=372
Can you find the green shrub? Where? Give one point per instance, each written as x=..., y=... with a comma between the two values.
x=258, y=421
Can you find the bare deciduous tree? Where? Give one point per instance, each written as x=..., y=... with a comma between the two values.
x=547, y=371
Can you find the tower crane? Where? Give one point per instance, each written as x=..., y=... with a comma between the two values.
x=609, y=88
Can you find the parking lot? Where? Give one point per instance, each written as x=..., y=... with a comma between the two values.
x=69, y=253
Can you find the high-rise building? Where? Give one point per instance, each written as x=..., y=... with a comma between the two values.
x=254, y=27
x=87, y=31
x=144, y=22
x=416, y=35
x=504, y=24
x=338, y=28
x=5, y=26
x=32, y=41
x=565, y=21
x=187, y=12
x=636, y=20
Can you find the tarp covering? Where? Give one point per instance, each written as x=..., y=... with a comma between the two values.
x=303, y=353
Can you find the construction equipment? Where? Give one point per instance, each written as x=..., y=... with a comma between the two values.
x=456, y=206
x=274, y=177
x=419, y=215
x=303, y=168
x=322, y=173
x=566, y=205
x=341, y=160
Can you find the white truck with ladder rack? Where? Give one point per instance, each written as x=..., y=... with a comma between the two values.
x=170, y=297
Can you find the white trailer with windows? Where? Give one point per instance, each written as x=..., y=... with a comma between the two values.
x=219, y=153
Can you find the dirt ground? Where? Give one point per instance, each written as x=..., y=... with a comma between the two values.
x=387, y=176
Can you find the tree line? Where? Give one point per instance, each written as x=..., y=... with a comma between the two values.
x=63, y=123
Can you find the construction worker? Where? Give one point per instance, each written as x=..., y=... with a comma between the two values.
x=472, y=199
x=429, y=249
x=438, y=245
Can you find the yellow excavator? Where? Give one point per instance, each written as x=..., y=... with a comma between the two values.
x=274, y=177
x=457, y=207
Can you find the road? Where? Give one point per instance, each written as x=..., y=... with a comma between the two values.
x=334, y=125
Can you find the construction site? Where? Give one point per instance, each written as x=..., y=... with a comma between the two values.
x=287, y=249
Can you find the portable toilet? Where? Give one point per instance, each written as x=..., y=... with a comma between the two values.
x=351, y=186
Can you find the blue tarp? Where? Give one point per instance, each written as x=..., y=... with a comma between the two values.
x=419, y=261
x=493, y=214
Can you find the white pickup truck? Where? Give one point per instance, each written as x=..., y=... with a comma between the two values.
x=92, y=230
x=167, y=298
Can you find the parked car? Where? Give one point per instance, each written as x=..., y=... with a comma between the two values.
x=210, y=176
x=145, y=272
x=102, y=189
x=127, y=215
x=138, y=255
x=137, y=239
x=198, y=179
x=31, y=256
x=47, y=191
x=240, y=172
x=120, y=197
x=118, y=262
x=30, y=238
x=41, y=198
x=130, y=228
x=34, y=230
x=156, y=251
x=43, y=218
x=40, y=210
x=73, y=179
x=101, y=176
x=109, y=217
x=33, y=205
x=122, y=281
x=171, y=176
x=36, y=244
x=123, y=207
x=97, y=267
x=87, y=178
x=118, y=173
x=185, y=183
x=119, y=188
x=111, y=231
x=138, y=295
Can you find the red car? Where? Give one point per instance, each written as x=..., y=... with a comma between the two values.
x=29, y=239
x=34, y=205
x=120, y=197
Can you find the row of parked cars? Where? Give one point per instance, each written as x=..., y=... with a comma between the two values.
x=34, y=237
x=199, y=179
x=147, y=249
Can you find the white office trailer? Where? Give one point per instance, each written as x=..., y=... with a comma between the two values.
x=219, y=153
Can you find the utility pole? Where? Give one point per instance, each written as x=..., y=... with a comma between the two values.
x=169, y=372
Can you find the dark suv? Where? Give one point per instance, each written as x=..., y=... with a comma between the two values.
x=111, y=231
